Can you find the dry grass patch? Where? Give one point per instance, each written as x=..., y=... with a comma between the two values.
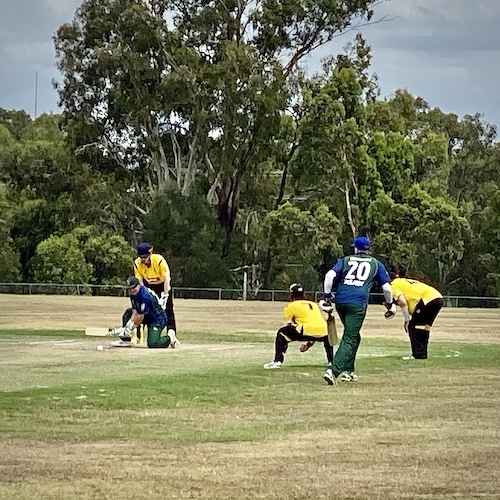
x=215, y=425
x=70, y=312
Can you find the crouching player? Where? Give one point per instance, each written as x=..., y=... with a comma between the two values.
x=420, y=304
x=304, y=322
x=145, y=310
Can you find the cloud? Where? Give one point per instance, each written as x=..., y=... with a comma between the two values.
x=426, y=25
x=446, y=51
x=62, y=8
x=30, y=52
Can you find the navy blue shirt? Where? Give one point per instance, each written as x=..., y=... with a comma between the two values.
x=146, y=303
x=355, y=275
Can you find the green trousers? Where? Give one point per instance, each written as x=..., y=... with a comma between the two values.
x=352, y=318
x=157, y=335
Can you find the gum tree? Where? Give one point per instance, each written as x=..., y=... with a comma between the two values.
x=178, y=90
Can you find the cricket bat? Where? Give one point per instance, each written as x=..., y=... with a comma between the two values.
x=92, y=331
x=332, y=330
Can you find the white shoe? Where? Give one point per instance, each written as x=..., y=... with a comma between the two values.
x=121, y=343
x=272, y=365
x=345, y=377
x=407, y=358
x=329, y=377
x=354, y=376
x=174, y=341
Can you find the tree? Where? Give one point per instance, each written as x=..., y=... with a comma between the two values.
x=18, y=123
x=176, y=90
x=424, y=235
x=83, y=256
x=9, y=260
x=185, y=230
x=332, y=162
x=301, y=242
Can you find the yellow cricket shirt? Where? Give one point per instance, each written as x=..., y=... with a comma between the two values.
x=413, y=291
x=156, y=271
x=305, y=315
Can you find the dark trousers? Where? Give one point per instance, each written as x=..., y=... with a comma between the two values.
x=419, y=326
x=158, y=288
x=289, y=333
x=352, y=318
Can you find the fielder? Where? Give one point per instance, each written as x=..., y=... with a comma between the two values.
x=352, y=278
x=303, y=321
x=147, y=311
x=420, y=304
x=151, y=269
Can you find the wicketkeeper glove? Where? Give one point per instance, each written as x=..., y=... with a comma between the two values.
x=163, y=300
x=391, y=310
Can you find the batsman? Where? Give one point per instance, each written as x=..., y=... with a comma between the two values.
x=147, y=311
x=351, y=280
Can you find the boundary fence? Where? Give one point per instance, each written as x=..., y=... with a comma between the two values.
x=213, y=293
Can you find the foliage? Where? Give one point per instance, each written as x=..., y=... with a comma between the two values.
x=83, y=256
x=301, y=241
x=9, y=268
x=17, y=122
x=178, y=90
x=424, y=235
x=185, y=230
x=193, y=125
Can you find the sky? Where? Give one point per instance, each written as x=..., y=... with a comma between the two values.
x=446, y=51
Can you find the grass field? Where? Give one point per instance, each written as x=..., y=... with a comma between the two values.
x=205, y=421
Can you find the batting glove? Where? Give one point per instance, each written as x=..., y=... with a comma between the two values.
x=326, y=306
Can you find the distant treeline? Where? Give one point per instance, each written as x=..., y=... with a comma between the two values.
x=205, y=138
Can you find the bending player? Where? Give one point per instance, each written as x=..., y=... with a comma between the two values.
x=420, y=304
x=147, y=311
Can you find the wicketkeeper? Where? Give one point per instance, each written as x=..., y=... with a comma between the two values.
x=152, y=270
x=147, y=311
x=304, y=322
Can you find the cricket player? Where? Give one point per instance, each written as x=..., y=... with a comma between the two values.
x=351, y=278
x=303, y=321
x=420, y=304
x=151, y=269
x=147, y=311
